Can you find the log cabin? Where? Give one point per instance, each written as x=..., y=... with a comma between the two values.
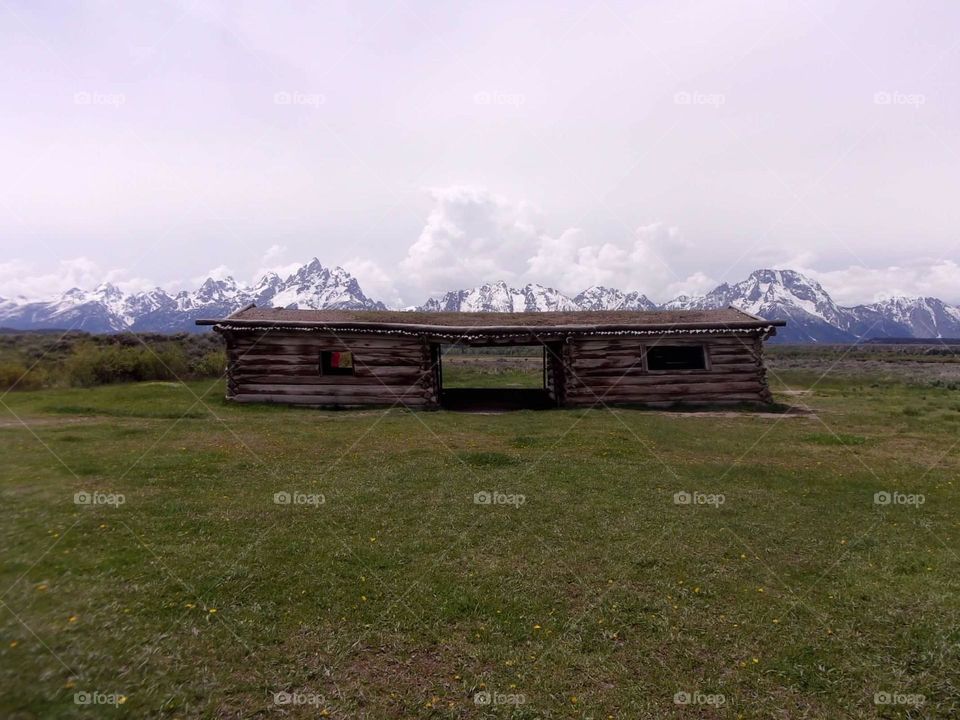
x=349, y=359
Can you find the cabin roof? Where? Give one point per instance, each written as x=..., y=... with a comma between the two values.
x=495, y=322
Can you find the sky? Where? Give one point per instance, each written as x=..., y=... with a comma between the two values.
x=425, y=146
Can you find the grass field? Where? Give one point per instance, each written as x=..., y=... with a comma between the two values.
x=783, y=590
x=484, y=368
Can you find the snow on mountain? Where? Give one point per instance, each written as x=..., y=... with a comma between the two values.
x=265, y=289
x=811, y=315
x=107, y=309
x=500, y=297
x=216, y=292
x=98, y=310
x=598, y=297
x=142, y=303
x=684, y=302
x=314, y=286
x=920, y=316
x=767, y=291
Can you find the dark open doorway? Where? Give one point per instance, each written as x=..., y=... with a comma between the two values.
x=494, y=378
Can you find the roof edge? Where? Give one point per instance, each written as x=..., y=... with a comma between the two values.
x=236, y=319
x=479, y=329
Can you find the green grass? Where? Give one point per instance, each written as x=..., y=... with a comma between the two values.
x=486, y=370
x=834, y=438
x=399, y=597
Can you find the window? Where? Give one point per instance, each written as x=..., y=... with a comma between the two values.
x=336, y=362
x=676, y=357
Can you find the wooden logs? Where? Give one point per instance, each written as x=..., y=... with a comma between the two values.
x=285, y=366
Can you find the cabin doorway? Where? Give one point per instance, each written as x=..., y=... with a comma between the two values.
x=497, y=377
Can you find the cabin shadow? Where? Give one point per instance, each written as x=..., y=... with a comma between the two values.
x=494, y=399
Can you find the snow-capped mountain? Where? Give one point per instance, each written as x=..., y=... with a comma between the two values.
x=314, y=286
x=598, y=297
x=500, y=297
x=99, y=310
x=108, y=309
x=917, y=317
x=811, y=314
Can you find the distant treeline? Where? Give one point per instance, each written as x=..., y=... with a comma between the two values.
x=32, y=360
x=913, y=341
x=916, y=350
x=507, y=351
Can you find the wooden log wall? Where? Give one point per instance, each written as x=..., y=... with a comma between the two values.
x=555, y=374
x=284, y=366
x=612, y=371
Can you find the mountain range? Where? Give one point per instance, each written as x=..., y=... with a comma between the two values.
x=810, y=312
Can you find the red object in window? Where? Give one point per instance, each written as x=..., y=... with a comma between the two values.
x=341, y=359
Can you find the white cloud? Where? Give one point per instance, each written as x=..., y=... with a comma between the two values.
x=221, y=272
x=274, y=261
x=695, y=284
x=473, y=236
x=376, y=283
x=24, y=281
x=926, y=277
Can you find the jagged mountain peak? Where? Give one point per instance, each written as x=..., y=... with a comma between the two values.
x=919, y=316
x=108, y=309
x=600, y=297
x=226, y=282
x=780, y=275
x=266, y=287
x=107, y=288
x=316, y=286
x=906, y=301
x=500, y=297
x=766, y=292
x=691, y=302
x=777, y=294
x=316, y=269
x=772, y=282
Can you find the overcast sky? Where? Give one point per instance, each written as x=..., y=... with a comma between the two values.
x=425, y=146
